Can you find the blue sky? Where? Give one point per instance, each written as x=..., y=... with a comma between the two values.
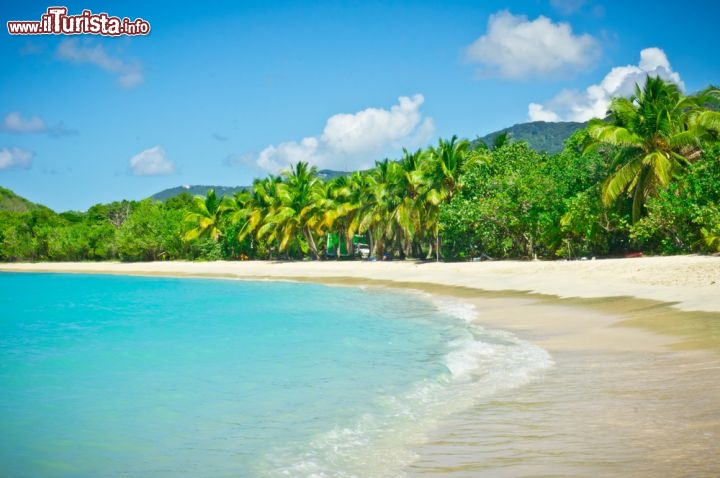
x=229, y=91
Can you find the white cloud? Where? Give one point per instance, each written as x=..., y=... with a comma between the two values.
x=515, y=47
x=15, y=158
x=573, y=105
x=129, y=74
x=151, y=162
x=355, y=141
x=14, y=123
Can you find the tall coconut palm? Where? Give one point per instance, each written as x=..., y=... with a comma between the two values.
x=340, y=207
x=442, y=170
x=206, y=216
x=297, y=210
x=406, y=183
x=444, y=165
x=380, y=202
x=652, y=136
x=363, y=200
x=254, y=205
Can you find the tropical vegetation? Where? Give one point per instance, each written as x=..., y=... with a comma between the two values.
x=645, y=178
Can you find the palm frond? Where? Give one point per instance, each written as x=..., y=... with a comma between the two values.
x=621, y=180
x=613, y=135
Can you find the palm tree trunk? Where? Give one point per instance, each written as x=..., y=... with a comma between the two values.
x=311, y=242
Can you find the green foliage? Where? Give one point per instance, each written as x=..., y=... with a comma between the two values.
x=509, y=207
x=150, y=233
x=684, y=217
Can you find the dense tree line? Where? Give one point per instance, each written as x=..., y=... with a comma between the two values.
x=646, y=178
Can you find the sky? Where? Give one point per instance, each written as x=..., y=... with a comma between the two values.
x=221, y=93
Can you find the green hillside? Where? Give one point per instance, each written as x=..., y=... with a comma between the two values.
x=196, y=190
x=541, y=136
x=9, y=201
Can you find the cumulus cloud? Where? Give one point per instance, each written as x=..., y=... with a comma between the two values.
x=516, y=47
x=14, y=123
x=15, y=158
x=128, y=74
x=574, y=105
x=354, y=141
x=151, y=162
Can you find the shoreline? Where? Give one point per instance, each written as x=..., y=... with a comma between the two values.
x=688, y=283
x=667, y=302
x=636, y=344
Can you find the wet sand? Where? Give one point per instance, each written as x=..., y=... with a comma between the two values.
x=635, y=390
x=621, y=400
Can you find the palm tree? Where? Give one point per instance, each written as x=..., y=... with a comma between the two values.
x=443, y=169
x=254, y=205
x=407, y=184
x=444, y=166
x=362, y=199
x=382, y=203
x=206, y=216
x=340, y=207
x=652, y=135
x=296, y=210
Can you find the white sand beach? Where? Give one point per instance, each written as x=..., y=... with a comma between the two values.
x=636, y=345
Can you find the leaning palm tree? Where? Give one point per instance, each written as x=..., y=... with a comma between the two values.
x=652, y=136
x=206, y=215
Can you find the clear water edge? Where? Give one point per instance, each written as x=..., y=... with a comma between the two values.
x=431, y=364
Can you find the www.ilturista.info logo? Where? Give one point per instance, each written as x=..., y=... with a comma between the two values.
x=57, y=22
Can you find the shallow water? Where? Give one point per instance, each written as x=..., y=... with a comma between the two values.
x=606, y=409
x=128, y=376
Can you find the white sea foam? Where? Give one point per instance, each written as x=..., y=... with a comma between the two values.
x=480, y=363
x=455, y=308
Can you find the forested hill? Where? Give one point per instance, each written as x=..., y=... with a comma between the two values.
x=9, y=201
x=196, y=190
x=541, y=136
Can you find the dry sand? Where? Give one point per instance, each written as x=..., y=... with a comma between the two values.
x=636, y=342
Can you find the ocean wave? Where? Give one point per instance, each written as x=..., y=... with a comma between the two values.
x=479, y=363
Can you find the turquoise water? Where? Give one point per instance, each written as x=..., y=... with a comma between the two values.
x=131, y=376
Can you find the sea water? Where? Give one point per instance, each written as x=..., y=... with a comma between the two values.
x=145, y=376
